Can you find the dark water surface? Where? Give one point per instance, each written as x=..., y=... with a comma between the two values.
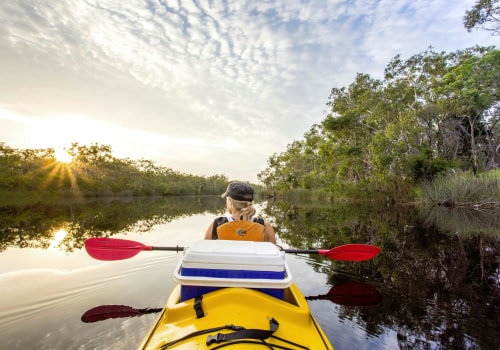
x=436, y=283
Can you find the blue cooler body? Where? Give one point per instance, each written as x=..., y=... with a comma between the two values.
x=209, y=265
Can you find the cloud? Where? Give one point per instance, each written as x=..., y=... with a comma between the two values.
x=252, y=76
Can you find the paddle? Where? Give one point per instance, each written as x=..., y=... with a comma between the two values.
x=108, y=249
x=118, y=249
x=349, y=294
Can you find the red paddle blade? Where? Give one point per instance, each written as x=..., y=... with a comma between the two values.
x=113, y=248
x=105, y=312
x=352, y=252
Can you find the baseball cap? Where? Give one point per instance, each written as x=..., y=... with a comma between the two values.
x=239, y=191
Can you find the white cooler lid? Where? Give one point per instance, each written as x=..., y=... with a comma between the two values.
x=230, y=254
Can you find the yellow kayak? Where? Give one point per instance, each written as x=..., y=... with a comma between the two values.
x=234, y=294
x=236, y=318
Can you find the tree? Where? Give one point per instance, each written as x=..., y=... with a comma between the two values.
x=484, y=15
x=471, y=90
x=353, y=122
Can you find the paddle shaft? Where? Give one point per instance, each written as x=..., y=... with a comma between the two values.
x=293, y=251
x=290, y=251
x=304, y=251
x=171, y=249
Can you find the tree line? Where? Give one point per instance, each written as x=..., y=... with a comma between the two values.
x=432, y=112
x=94, y=171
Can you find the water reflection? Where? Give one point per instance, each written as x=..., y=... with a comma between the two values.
x=351, y=294
x=105, y=312
x=438, y=271
x=463, y=221
x=42, y=224
x=436, y=281
x=59, y=235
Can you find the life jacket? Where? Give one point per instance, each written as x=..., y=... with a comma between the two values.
x=239, y=230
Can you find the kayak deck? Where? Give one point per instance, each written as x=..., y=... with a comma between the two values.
x=239, y=307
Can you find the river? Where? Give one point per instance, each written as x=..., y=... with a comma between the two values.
x=435, y=284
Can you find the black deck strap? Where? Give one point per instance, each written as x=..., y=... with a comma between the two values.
x=197, y=306
x=197, y=333
x=260, y=334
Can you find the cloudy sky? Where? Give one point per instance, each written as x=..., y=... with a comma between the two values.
x=201, y=86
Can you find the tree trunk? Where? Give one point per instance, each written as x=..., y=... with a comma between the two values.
x=475, y=151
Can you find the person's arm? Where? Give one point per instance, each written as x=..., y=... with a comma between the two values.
x=208, y=234
x=269, y=233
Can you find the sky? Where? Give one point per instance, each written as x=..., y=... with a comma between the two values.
x=200, y=86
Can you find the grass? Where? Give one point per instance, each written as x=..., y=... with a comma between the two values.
x=462, y=189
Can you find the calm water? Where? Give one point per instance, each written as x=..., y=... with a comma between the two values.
x=436, y=282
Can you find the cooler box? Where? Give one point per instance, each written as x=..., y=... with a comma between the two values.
x=209, y=265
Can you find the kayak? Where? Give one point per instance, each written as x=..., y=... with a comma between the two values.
x=236, y=318
x=235, y=294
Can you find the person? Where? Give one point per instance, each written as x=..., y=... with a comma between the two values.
x=241, y=225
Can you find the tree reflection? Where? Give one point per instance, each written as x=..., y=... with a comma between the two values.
x=439, y=273
x=35, y=225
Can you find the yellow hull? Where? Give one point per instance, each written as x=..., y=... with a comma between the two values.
x=240, y=307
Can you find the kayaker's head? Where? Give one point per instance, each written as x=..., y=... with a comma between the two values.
x=239, y=197
x=239, y=191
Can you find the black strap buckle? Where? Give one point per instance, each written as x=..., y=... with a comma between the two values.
x=260, y=334
x=215, y=339
x=197, y=306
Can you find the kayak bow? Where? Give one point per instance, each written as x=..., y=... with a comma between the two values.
x=237, y=318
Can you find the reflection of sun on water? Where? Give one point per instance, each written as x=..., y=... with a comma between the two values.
x=59, y=235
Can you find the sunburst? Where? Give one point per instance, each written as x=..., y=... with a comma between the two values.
x=61, y=172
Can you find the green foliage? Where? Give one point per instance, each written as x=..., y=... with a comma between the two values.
x=431, y=112
x=94, y=172
x=425, y=167
x=462, y=188
x=484, y=15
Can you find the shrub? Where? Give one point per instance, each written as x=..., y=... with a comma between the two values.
x=425, y=167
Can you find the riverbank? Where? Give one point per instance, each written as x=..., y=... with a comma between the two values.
x=455, y=189
x=462, y=189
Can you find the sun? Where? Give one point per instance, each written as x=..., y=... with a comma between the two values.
x=62, y=156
